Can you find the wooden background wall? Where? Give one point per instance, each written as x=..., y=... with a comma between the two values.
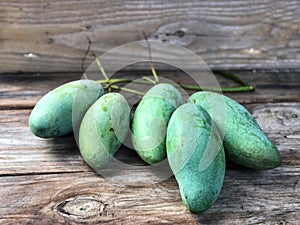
x=64, y=36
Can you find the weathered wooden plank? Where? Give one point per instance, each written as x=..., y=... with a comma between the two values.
x=247, y=197
x=64, y=36
x=47, y=182
x=23, y=91
x=23, y=153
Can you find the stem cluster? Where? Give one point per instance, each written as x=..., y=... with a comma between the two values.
x=110, y=84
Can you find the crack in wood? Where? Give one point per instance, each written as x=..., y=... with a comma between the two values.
x=86, y=52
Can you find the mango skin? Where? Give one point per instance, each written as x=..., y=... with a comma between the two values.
x=52, y=115
x=150, y=122
x=244, y=141
x=196, y=156
x=103, y=129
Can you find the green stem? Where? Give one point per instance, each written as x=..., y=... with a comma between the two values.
x=230, y=76
x=154, y=72
x=127, y=90
x=238, y=89
x=226, y=89
x=110, y=83
x=101, y=69
x=114, y=81
x=123, y=80
x=150, y=80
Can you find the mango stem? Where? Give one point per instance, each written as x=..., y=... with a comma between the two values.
x=127, y=90
x=111, y=82
x=150, y=80
x=101, y=69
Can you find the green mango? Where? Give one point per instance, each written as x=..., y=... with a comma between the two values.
x=196, y=156
x=244, y=141
x=52, y=116
x=103, y=129
x=150, y=121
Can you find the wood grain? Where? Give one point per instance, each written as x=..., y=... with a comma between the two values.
x=46, y=181
x=85, y=198
x=23, y=91
x=247, y=197
x=23, y=153
x=51, y=36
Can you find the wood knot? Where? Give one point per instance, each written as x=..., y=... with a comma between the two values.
x=81, y=207
x=175, y=33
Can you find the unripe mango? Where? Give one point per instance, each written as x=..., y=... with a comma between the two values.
x=244, y=141
x=196, y=156
x=150, y=122
x=103, y=129
x=52, y=115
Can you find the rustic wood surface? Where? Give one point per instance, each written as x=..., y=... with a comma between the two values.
x=50, y=36
x=23, y=91
x=47, y=182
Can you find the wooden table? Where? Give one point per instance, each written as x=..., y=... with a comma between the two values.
x=44, y=44
x=47, y=181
